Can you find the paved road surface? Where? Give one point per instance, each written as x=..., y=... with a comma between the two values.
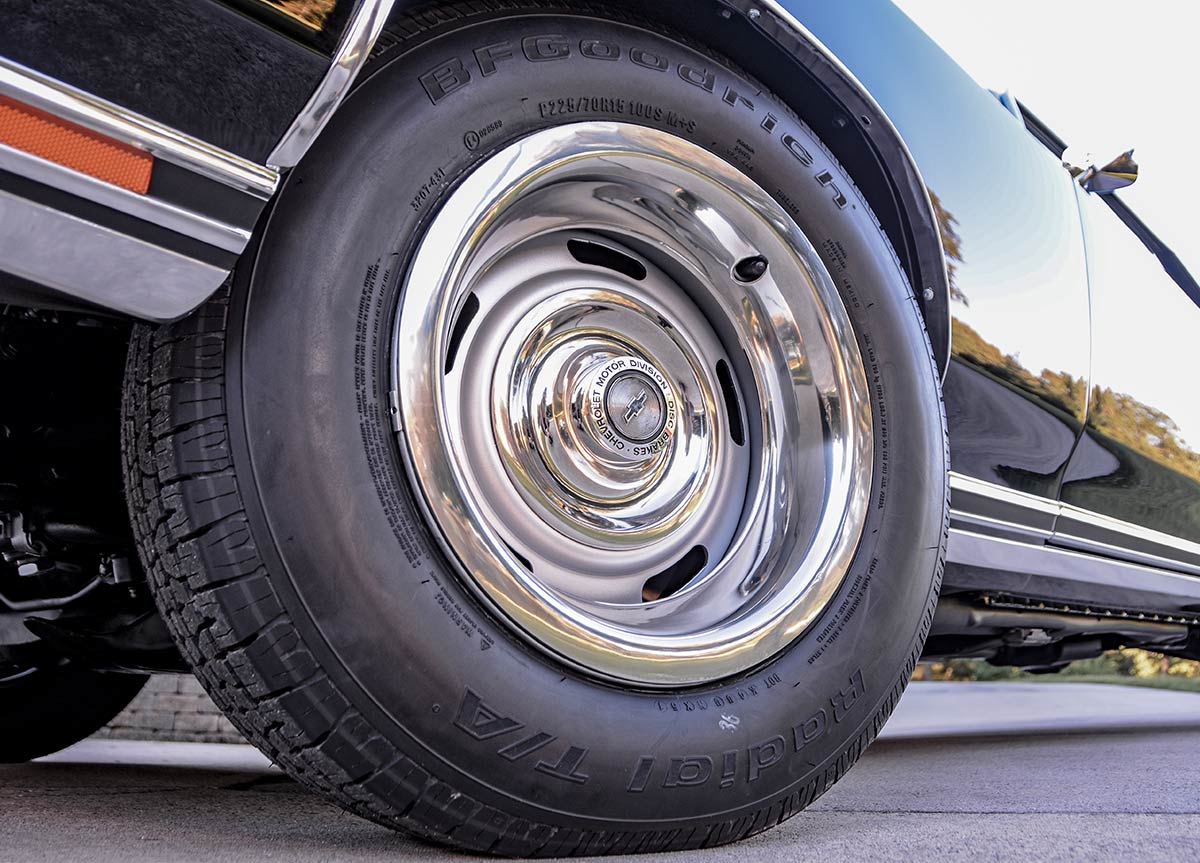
x=965, y=772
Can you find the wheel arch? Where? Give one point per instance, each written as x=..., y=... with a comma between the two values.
x=770, y=43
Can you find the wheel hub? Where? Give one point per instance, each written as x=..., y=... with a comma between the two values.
x=634, y=406
x=587, y=392
x=651, y=459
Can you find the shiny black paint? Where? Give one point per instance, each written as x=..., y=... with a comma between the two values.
x=323, y=39
x=194, y=65
x=1017, y=381
x=1046, y=326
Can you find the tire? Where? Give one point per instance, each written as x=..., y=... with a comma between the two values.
x=46, y=711
x=296, y=563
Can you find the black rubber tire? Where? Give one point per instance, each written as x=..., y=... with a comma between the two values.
x=46, y=711
x=288, y=558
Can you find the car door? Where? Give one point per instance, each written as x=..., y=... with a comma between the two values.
x=1016, y=386
x=1132, y=488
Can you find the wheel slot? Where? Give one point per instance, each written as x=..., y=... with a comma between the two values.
x=521, y=559
x=598, y=255
x=469, y=309
x=750, y=269
x=733, y=405
x=675, y=576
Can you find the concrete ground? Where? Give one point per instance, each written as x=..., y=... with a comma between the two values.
x=965, y=771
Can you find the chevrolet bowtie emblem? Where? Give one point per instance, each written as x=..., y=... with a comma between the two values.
x=635, y=406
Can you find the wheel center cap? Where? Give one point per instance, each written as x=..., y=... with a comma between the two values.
x=635, y=406
x=631, y=408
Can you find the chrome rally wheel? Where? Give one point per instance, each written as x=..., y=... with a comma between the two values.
x=634, y=403
x=566, y=472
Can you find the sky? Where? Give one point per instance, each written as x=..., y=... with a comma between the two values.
x=1107, y=76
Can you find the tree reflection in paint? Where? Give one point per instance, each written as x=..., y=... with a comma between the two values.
x=1119, y=417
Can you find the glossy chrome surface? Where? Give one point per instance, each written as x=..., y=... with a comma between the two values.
x=203, y=228
x=998, y=544
x=1117, y=174
x=61, y=100
x=520, y=425
x=966, y=485
x=1102, y=534
x=977, y=562
x=998, y=511
x=219, y=74
x=363, y=28
x=553, y=387
x=125, y=273
x=994, y=509
x=100, y=265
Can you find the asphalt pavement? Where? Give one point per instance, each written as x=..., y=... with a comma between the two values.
x=964, y=771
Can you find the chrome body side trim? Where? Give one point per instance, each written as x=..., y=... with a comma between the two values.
x=988, y=563
x=999, y=526
x=154, y=256
x=982, y=506
x=231, y=238
x=999, y=542
x=63, y=101
x=1092, y=531
x=988, y=508
x=100, y=265
x=1032, y=503
x=363, y=28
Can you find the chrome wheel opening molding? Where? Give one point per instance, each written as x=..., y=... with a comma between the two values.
x=633, y=404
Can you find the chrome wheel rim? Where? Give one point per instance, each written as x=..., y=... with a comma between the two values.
x=633, y=404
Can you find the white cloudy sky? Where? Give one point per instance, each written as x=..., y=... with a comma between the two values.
x=1106, y=76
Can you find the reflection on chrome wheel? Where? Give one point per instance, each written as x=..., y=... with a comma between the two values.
x=634, y=404
x=564, y=488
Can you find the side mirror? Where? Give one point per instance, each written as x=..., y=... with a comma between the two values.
x=1117, y=174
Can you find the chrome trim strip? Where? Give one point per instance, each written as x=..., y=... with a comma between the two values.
x=363, y=28
x=999, y=525
x=1161, y=544
x=784, y=18
x=1155, y=542
x=1116, y=525
x=1110, y=550
x=98, y=264
x=1012, y=497
x=62, y=100
x=1041, y=571
x=215, y=233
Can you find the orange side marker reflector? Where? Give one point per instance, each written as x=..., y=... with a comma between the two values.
x=34, y=131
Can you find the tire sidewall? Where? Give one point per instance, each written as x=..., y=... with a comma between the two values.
x=435, y=674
